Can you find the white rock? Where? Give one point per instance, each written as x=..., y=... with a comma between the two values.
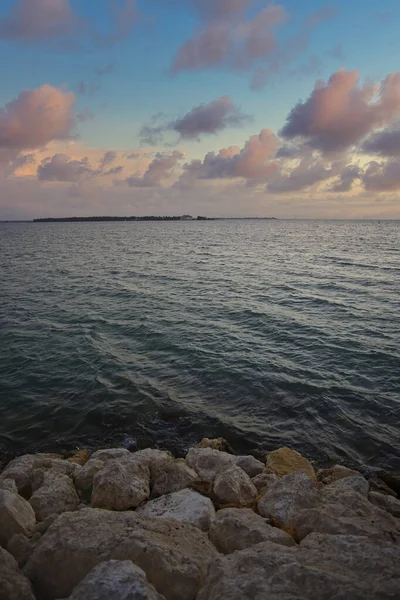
x=207, y=461
x=386, y=502
x=284, y=499
x=84, y=478
x=171, y=476
x=13, y=584
x=115, y=580
x=264, y=480
x=21, y=469
x=110, y=454
x=16, y=516
x=239, y=528
x=152, y=456
x=250, y=465
x=121, y=484
x=8, y=484
x=186, y=505
x=233, y=486
x=54, y=494
x=175, y=556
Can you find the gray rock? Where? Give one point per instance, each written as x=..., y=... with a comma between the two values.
x=322, y=568
x=171, y=476
x=43, y=526
x=84, y=478
x=386, y=502
x=13, y=585
x=175, y=556
x=250, y=465
x=122, y=484
x=21, y=470
x=115, y=580
x=233, y=486
x=152, y=457
x=110, y=454
x=207, y=462
x=286, y=498
x=186, y=506
x=21, y=548
x=8, y=484
x=16, y=516
x=239, y=528
x=356, y=484
x=54, y=494
x=263, y=481
x=335, y=473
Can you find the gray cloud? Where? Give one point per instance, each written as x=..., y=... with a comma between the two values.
x=60, y=167
x=159, y=169
x=384, y=143
x=307, y=173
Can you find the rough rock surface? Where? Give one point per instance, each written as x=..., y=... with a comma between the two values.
x=16, y=516
x=122, y=484
x=355, y=484
x=216, y=444
x=84, y=478
x=285, y=461
x=110, y=454
x=334, y=473
x=175, y=556
x=323, y=567
x=186, y=505
x=264, y=480
x=171, y=476
x=207, y=461
x=284, y=499
x=250, y=465
x=22, y=468
x=13, y=584
x=392, y=480
x=20, y=547
x=386, y=502
x=115, y=580
x=378, y=485
x=8, y=484
x=54, y=494
x=80, y=457
x=239, y=528
x=233, y=486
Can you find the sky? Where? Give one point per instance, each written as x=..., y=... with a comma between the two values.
x=205, y=107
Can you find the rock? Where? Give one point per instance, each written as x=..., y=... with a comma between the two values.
x=13, y=585
x=207, y=462
x=172, y=476
x=356, y=484
x=286, y=498
x=110, y=454
x=264, y=480
x=84, y=478
x=378, y=485
x=321, y=568
x=55, y=494
x=217, y=444
x=186, y=505
x=115, y=580
x=121, y=484
x=250, y=465
x=392, y=480
x=335, y=473
x=16, y=516
x=20, y=547
x=21, y=470
x=386, y=502
x=233, y=486
x=43, y=526
x=175, y=556
x=80, y=458
x=238, y=528
x=285, y=461
x=152, y=457
x=8, y=484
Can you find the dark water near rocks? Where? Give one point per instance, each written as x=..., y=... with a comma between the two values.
x=264, y=332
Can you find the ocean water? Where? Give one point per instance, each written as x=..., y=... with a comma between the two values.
x=263, y=332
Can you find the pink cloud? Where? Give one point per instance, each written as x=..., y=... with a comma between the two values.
x=36, y=117
x=60, y=167
x=306, y=174
x=160, y=168
x=384, y=143
x=339, y=113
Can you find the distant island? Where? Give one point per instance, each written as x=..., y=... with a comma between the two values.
x=147, y=218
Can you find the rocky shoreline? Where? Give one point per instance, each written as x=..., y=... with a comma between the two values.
x=144, y=525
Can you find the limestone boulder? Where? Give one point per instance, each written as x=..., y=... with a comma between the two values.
x=286, y=498
x=335, y=473
x=171, y=476
x=21, y=548
x=239, y=528
x=54, y=494
x=285, y=461
x=122, y=484
x=13, y=584
x=80, y=457
x=233, y=486
x=16, y=516
x=323, y=567
x=8, y=484
x=250, y=465
x=386, y=502
x=110, y=454
x=186, y=506
x=84, y=478
x=175, y=556
x=264, y=480
x=354, y=484
x=22, y=468
x=216, y=444
x=207, y=462
x=115, y=580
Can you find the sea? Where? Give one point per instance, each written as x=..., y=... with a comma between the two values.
x=264, y=332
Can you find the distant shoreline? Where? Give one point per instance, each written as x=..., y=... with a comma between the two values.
x=146, y=218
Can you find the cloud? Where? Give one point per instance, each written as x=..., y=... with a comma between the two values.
x=85, y=115
x=339, y=113
x=305, y=175
x=382, y=177
x=60, y=167
x=36, y=117
x=384, y=143
x=347, y=177
x=89, y=88
x=109, y=157
x=160, y=168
